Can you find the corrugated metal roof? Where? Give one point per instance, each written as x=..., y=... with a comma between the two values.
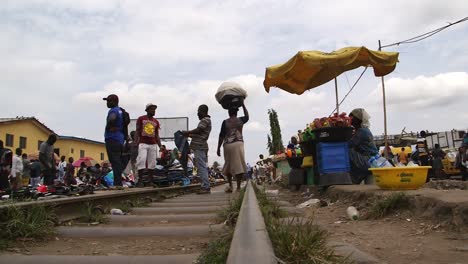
x=25, y=118
x=80, y=139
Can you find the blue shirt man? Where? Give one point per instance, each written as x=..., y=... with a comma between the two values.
x=114, y=137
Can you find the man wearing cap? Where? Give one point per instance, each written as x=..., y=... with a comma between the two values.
x=114, y=137
x=147, y=138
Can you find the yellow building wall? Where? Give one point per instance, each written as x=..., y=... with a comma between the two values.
x=35, y=133
x=73, y=148
x=23, y=128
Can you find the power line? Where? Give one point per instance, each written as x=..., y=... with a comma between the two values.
x=410, y=40
x=350, y=90
x=425, y=35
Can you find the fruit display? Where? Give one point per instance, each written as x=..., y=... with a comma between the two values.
x=341, y=120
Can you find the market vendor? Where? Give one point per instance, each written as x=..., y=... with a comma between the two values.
x=361, y=145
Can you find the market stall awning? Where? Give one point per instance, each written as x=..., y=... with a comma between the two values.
x=309, y=69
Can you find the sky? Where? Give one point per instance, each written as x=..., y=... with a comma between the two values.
x=60, y=57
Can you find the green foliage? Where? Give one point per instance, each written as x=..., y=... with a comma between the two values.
x=303, y=242
x=293, y=241
x=35, y=222
x=269, y=210
x=93, y=214
x=269, y=144
x=275, y=143
x=392, y=203
x=217, y=250
x=230, y=213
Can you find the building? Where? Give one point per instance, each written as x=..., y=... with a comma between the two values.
x=80, y=147
x=28, y=133
x=452, y=139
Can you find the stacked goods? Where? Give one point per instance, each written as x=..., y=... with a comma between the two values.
x=333, y=163
x=333, y=157
x=341, y=120
x=230, y=94
x=336, y=128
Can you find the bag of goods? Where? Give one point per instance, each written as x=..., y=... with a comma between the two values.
x=230, y=94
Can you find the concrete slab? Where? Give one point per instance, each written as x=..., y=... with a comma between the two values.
x=175, y=210
x=164, y=231
x=159, y=218
x=359, y=257
x=449, y=196
x=189, y=204
x=57, y=259
x=191, y=200
x=292, y=210
x=448, y=206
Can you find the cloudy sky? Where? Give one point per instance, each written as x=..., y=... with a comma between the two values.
x=60, y=57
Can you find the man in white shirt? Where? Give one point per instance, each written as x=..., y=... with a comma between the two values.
x=61, y=168
x=16, y=170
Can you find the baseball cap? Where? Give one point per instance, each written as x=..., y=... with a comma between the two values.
x=150, y=105
x=111, y=97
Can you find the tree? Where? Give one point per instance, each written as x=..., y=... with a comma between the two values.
x=275, y=142
x=269, y=144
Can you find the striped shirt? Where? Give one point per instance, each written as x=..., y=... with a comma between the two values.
x=199, y=141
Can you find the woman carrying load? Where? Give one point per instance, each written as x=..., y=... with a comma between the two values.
x=233, y=146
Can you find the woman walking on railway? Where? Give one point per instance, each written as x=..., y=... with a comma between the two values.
x=233, y=146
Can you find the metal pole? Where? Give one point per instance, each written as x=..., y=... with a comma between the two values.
x=336, y=95
x=384, y=111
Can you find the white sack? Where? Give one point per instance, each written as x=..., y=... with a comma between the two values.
x=230, y=88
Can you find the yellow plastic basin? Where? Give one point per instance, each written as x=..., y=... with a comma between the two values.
x=400, y=178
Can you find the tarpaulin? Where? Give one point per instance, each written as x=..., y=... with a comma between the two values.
x=309, y=69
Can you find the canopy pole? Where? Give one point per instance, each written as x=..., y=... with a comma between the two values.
x=336, y=95
x=385, y=112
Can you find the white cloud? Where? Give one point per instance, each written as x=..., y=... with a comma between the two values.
x=255, y=126
x=60, y=57
x=426, y=91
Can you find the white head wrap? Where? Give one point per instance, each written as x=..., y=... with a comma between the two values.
x=362, y=115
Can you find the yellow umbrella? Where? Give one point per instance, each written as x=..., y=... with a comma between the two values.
x=309, y=69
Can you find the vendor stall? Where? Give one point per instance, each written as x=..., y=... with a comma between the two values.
x=324, y=141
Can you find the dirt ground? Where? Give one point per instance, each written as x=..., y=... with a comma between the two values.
x=402, y=237
x=112, y=246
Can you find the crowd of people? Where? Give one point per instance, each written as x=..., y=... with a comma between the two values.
x=145, y=142
x=135, y=156
x=17, y=170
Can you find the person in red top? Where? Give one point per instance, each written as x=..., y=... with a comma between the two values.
x=147, y=138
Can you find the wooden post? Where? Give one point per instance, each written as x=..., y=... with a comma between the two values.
x=385, y=112
x=336, y=95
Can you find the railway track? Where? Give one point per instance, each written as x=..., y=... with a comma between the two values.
x=172, y=230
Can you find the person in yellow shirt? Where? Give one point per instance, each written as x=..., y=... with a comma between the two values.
x=403, y=157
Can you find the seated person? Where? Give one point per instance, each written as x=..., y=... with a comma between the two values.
x=175, y=155
x=70, y=173
x=95, y=172
x=165, y=155
x=83, y=174
x=361, y=145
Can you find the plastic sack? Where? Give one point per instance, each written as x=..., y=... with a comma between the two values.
x=230, y=94
x=307, y=162
x=412, y=164
x=230, y=88
x=109, y=179
x=379, y=162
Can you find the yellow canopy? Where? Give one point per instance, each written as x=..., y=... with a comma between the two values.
x=309, y=69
